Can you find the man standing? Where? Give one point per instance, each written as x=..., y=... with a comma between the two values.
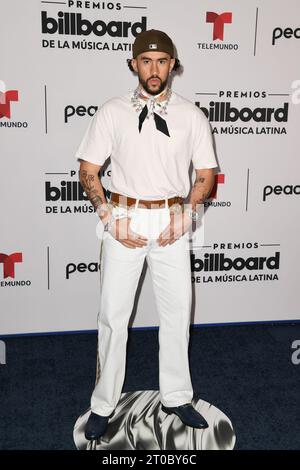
x=151, y=135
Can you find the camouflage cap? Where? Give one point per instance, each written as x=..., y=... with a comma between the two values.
x=152, y=40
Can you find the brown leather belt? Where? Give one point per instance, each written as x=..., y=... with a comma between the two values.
x=127, y=201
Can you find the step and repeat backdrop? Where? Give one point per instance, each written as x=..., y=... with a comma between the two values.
x=59, y=62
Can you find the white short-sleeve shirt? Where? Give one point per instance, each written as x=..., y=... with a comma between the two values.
x=148, y=164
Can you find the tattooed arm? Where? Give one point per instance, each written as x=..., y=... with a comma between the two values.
x=200, y=191
x=202, y=186
x=88, y=177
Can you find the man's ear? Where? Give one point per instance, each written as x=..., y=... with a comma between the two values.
x=172, y=63
x=134, y=64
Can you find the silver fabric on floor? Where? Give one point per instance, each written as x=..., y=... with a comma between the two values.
x=138, y=423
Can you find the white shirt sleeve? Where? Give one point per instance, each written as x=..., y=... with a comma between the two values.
x=203, y=155
x=97, y=142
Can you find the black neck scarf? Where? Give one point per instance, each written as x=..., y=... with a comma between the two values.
x=160, y=123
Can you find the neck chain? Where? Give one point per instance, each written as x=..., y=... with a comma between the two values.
x=152, y=103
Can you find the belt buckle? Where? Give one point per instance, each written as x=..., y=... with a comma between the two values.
x=150, y=204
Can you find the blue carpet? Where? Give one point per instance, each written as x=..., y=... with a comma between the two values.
x=245, y=370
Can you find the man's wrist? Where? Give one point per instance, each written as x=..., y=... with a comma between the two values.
x=192, y=213
x=104, y=210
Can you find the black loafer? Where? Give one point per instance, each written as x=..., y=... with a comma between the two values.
x=188, y=415
x=96, y=426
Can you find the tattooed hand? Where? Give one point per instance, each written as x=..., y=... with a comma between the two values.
x=179, y=224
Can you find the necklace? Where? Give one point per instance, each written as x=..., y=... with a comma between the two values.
x=139, y=103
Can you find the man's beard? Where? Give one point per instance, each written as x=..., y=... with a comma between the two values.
x=161, y=87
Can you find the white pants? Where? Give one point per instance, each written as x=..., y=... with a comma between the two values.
x=120, y=272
